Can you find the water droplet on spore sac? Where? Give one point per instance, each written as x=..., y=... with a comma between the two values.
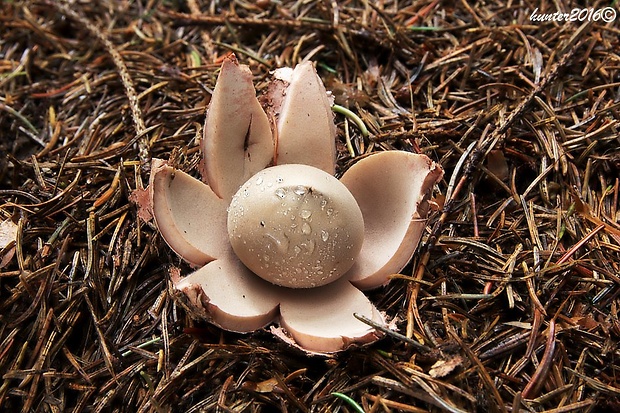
x=306, y=229
x=280, y=193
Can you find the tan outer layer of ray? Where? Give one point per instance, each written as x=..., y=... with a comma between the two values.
x=391, y=189
x=321, y=319
x=233, y=297
x=306, y=130
x=237, y=140
x=190, y=217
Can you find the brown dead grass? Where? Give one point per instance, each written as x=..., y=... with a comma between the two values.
x=514, y=296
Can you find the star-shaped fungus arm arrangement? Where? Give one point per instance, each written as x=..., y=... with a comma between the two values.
x=275, y=236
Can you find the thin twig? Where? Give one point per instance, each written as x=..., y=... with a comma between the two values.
x=117, y=58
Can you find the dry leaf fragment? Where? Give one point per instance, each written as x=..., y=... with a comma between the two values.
x=8, y=236
x=442, y=368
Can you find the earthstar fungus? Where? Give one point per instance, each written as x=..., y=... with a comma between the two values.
x=275, y=237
